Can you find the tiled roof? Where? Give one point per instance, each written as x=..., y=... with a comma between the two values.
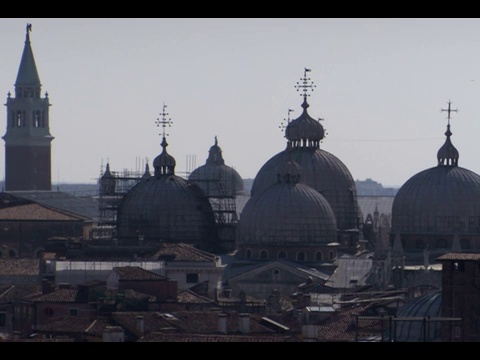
x=70, y=324
x=153, y=321
x=36, y=212
x=9, y=293
x=168, y=337
x=129, y=294
x=85, y=206
x=183, y=252
x=460, y=256
x=96, y=327
x=190, y=297
x=341, y=326
x=8, y=200
x=60, y=295
x=136, y=273
x=187, y=322
x=19, y=267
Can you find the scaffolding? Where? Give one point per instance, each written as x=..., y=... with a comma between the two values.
x=122, y=182
x=220, y=190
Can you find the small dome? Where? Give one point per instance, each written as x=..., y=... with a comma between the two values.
x=164, y=163
x=448, y=154
x=305, y=129
x=412, y=330
x=215, y=178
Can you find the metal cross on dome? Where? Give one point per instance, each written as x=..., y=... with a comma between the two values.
x=164, y=121
x=304, y=85
x=282, y=126
x=449, y=110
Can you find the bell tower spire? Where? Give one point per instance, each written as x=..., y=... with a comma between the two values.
x=27, y=138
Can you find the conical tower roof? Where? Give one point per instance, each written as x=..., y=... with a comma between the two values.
x=27, y=72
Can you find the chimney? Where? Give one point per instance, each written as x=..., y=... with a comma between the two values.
x=222, y=323
x=141, y=324
x=244, y=325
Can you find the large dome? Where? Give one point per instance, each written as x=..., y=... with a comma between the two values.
x=215, y=178
x=166, y=208
x=439, y=200
x=322, y=171
x=442, y=200
x=288, y=213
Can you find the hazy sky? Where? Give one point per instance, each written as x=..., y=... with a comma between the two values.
x=380, y=87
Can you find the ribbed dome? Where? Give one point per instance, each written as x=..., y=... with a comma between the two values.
x=215, y=178
x=287, y=214
x=441, y=200
x=322, y=171
x=428, y=305
x=166, y=208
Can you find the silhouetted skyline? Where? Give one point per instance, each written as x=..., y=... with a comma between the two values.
x=380, y=87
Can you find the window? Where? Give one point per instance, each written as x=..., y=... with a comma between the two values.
x=282, y=255
x=318, y=256
x=192, y=278
x=248, y=254
x=49, y=312
x=3, y=318
x=301, y=256
x=263, y=254
x=73, y=312
x=459, y=266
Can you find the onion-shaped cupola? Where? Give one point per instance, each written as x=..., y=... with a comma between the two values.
x=215, y=155
x=165, y=207
x=305, y=131
x=448, y=155
x=287, y=219
x=164, y=164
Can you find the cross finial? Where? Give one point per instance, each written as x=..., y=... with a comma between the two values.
x=449, y=110
x=282, y=126
x=304, y=84
x=164, y=121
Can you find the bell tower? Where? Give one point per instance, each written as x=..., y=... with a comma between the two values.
x=27, y=139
